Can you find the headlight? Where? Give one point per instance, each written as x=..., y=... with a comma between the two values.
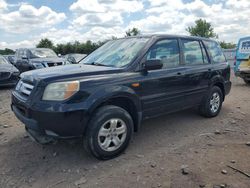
x=60, y=91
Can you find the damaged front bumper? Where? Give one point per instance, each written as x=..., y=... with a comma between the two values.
x=35, y=132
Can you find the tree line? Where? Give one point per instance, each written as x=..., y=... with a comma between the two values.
x=201, y=28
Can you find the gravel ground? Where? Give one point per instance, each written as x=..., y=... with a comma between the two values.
x=180, y=150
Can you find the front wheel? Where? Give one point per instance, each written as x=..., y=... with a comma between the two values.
x=109, y=132
x=212, y=103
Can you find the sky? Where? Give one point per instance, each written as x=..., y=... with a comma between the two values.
x=24, y=23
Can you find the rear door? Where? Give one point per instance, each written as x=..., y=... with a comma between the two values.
x=198, y=70
x=162, y=90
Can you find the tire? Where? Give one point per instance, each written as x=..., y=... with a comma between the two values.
x=247, y=81
x=206, y=108
x=109, y=132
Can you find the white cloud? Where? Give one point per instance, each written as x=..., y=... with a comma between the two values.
x=87, y=6
x=229, y=18
x=62, y=36
x=95, y=6
x=3, y=5
x=15, y=45
x=103, y=13
x=101, y=19
x=28, y=18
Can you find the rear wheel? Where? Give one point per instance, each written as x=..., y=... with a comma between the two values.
x=212, y=103
x=109, y=132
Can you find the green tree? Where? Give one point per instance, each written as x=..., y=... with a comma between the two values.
x=133, y=32
x=202, y=28
x=7, y=51
x=45, y=43
x=227, y=45
x=77, y=47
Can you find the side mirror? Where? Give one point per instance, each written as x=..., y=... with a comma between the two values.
x=153, y=64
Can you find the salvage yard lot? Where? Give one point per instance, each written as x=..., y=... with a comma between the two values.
x=154, y=158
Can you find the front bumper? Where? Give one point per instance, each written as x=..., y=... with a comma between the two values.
x=47, y=122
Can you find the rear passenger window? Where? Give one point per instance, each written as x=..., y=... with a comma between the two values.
x=167, y=51
x=215, y=51
x=192, y=52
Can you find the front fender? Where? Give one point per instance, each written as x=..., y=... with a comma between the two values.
x=103, y=94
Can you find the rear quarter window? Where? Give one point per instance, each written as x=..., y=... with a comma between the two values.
x=215, y=51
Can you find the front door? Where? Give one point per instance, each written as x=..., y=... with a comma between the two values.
x=162, y=90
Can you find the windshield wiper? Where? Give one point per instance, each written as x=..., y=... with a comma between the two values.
x=98, y=64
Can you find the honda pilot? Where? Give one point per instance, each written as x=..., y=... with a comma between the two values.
x=104, y=99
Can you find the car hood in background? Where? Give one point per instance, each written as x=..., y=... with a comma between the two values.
x=47, y=59
x=8, y=68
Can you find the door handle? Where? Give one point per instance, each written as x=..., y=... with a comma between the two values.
x=209, y=70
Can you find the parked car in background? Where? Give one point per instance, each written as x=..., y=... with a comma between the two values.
x=36, y=58
x=242, y=64
x=10, y=58
x=74, y=58
x=9, y=75
x=230, y=56
x=104, y=98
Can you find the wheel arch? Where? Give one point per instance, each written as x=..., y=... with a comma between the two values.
x=219, y=82
x=123, y=97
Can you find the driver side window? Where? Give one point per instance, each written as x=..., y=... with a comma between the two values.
x=167, y=51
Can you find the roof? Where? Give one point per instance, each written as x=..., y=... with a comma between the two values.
x=170, y=36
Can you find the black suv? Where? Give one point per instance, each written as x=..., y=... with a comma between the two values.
x=105, y=97
x=36, y=58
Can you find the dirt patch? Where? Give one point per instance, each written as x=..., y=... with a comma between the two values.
x=154, y=158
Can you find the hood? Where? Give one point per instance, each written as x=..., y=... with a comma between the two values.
x=47, y=59
x=67, y=72
x=8, y=68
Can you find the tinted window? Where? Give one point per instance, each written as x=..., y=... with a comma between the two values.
x=167, y=51
x=192, y=52
x=215, y=51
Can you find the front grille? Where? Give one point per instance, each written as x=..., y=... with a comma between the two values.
x=4, y=75
x=24, y=88
x=54, y=64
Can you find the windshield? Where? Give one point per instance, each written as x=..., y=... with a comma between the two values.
x=116, y=53
x=42, y=53
x=3, y=61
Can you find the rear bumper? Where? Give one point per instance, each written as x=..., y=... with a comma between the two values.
x=243, y=74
